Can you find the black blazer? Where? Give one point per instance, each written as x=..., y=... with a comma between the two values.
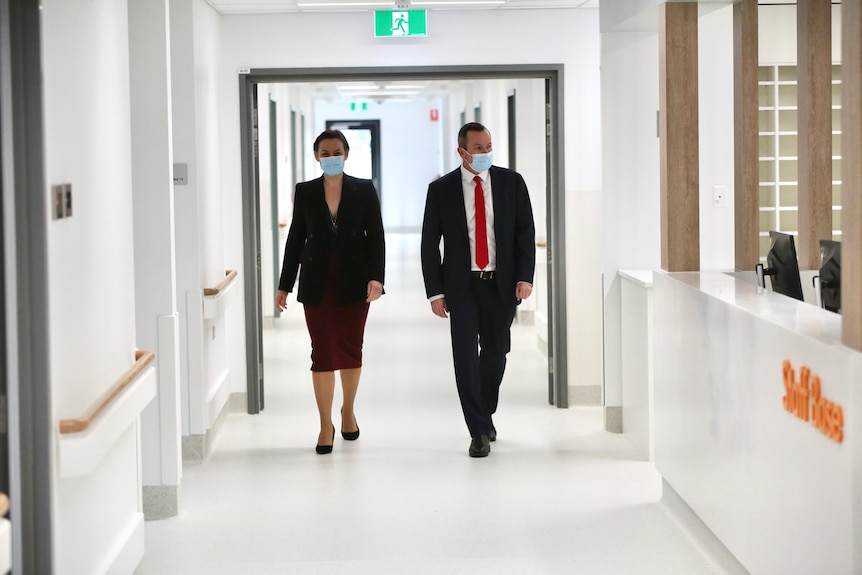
x=359, y=244
x=446, y=217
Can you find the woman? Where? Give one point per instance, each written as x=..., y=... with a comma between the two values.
x=336, y=237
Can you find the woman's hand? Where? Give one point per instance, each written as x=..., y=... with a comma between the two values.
x=281, y=300
x=375, y=290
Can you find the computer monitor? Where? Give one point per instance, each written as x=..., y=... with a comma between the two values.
x=781, y=266
x=829, y=280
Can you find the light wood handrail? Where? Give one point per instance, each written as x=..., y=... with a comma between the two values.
x=228, y=277
x=4, y=505
x=541, y=244
x=142, y=360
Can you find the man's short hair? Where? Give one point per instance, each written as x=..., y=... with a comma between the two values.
x=469, y=127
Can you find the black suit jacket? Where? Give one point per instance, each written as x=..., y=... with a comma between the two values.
x=446, y=217
x=359, y=244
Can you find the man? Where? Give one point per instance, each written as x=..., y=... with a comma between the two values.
x=483, y=214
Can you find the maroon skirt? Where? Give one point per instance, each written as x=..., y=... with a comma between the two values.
x=336, y=330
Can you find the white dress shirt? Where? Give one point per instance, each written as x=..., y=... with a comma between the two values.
x=469, y=187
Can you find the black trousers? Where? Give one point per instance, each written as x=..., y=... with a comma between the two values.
x=481, y=338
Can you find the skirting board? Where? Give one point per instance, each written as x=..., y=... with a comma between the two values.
x=161, y=501
x=585, y=394
x=703, y=537
x=129, y=548
x=196, y=448
x=613, y=419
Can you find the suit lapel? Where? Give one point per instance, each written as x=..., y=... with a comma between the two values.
x=499, y=193
x=460, y=210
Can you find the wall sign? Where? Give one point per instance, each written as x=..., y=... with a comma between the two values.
x=395, y=23
x=804, y=399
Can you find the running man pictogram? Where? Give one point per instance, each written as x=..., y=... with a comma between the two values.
x=400, y=23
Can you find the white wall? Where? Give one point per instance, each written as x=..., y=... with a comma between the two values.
x=200, y=213
x=777, y=31
x=187, y=216
x=631, y=219
x=92, y=293
x=545, y=36
x=715, y=137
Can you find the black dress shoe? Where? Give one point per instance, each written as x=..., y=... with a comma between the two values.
x=324, y=449
x=492, y=434
x=480, y=446
x=351, y=435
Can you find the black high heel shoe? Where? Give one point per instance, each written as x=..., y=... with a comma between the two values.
x=324, y=449
x=351, y=435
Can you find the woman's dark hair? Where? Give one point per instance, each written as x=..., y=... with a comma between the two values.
x=331, y=135
x=469, y=127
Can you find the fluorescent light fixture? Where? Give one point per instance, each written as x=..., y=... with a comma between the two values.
x=456, y=3
x=367, y=87
x=340, y=4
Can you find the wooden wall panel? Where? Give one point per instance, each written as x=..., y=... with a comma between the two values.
x=851, y=174
x=746, y=155
x=814, y=56
x=680, y=212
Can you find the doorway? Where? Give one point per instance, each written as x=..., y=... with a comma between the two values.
x=551, y=75
x=28, y=450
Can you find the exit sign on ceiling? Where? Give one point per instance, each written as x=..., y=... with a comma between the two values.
x=394, y=23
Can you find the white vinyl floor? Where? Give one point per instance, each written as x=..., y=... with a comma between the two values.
x=557, y=495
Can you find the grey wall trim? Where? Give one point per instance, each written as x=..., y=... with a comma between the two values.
x=25, y=254
x=553, y=73
x=196, y=448
x=251, y=250
x=613, y=419
x=558, y=336
x=161, y=501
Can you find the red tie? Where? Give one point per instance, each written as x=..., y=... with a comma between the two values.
x=481, y=227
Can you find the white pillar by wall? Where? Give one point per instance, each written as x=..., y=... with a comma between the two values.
x=630, y=171
x=155, y=282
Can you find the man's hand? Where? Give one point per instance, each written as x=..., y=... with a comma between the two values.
x=523, y=290
x=374, y=291
x=438, y=306
x=281, y=300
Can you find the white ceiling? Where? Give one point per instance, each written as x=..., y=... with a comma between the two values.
x=280, y=6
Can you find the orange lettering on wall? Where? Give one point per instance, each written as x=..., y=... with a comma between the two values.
x=825, y=415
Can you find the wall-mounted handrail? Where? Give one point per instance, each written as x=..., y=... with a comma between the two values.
x=4, y=505
x=541, y=244
x=229, y=275
x=142, y=360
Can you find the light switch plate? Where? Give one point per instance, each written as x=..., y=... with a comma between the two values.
x=719, y=196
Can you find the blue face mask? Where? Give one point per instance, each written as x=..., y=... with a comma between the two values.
x=482, y=162
x=332, y=165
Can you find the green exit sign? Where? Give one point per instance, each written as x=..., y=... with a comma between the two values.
x=393, y=23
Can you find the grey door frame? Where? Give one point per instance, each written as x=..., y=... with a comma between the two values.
x=552, y=73
x=24, y=314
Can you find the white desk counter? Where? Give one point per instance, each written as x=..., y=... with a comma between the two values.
x=783, y=495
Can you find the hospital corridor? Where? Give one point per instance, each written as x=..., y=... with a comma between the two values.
x=557, y=494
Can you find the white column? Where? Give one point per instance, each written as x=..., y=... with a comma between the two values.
x=155, y=276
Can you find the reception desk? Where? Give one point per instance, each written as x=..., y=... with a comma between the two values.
x=757, y=422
